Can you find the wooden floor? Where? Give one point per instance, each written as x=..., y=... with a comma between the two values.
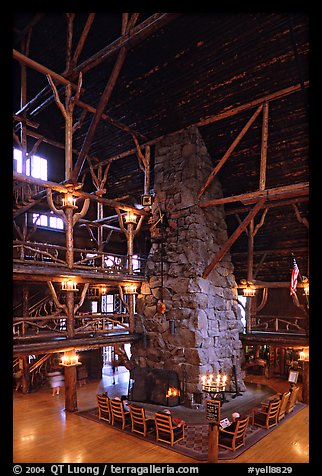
x=44, y=433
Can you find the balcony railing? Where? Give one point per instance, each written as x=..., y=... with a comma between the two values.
x=54, y=326
x=278, y=324
x=55, y=255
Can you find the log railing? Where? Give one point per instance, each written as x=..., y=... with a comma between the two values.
x=271, y=323
x=51, y=326
x=55, y=255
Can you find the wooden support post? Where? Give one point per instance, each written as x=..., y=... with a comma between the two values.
x=213, y=443
x=130, y=239
x=69, y=237
x=70, y=314
x=230, y=150
x=305, y=382
x=25, y=374
x=233, y=238
x=131, y=312
x=282, y=360
x=262, y=171
x=250, y=261
x=70, y=387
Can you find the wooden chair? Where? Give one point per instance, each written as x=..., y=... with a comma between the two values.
x=266, y=416
x=104, y=410
x=166, y=431
x=284, y=401
x=292, y=400
x=232, y=440
x=118, y=413
x=139, y=422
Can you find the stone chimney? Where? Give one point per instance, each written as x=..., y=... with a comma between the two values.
x=198, y=331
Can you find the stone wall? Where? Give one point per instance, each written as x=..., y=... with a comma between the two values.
x=204, y=311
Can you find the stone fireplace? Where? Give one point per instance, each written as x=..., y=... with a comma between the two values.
x=204, y=332
x=158, y=386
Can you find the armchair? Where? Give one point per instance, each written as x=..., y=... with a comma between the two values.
x=233, y=439
x=284, y=402
x=104, y=410
x=119, y=414
x=266, y=416
x=139, y=422
x=292, y=400
x=167, y=431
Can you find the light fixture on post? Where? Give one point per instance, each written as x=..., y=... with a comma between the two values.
x=306, y=287
x=304, y=355
x=69, y=201
x=70, y=358
x=248, y=290
x=103, y=290
x=130, y=288
x=130, y=218
x=69, y=285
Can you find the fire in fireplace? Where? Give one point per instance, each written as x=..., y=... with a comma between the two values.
x=173, y=396
x=158, y=386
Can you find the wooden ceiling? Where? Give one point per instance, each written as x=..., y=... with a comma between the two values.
x=182, y=69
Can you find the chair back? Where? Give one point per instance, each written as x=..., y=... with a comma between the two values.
x=163, y=421
x=139, y=420
x=118, y=412
x=104, y=410
x=234, y=439
x=284, y=401
x=165, y=430
x=241, y=427
x=272, y=411
x=292, y=399
x=137, y=414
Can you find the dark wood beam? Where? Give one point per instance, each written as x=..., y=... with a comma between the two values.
x=129, y=39
x=233, y=238
x=63, y=189
x=98, y=113
x=216, y=117
x=276, y=193
x=230, y=150
x=283, y=203
x=70, y=344
x=38, y=273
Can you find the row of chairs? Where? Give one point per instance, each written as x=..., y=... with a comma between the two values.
x=272, y=412
x=112, y=411
x=268, y=415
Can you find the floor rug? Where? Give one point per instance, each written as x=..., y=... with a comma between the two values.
x=195, y=443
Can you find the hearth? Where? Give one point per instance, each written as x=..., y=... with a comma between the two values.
x=158, y=386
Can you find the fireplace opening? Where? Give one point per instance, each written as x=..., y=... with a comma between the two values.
x=158, y=386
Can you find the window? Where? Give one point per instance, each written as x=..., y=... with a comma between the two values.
x=242, y=306
x=48, y=221
x=35, y=166
x=107, y=303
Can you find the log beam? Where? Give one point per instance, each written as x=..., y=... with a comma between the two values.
x=277, y=193
x=233, y=238
x=230, y=150
x=63, y=189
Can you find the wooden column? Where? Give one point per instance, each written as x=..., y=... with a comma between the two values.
x=281, y=360
x=70, y=386
x=23, y=362
x=213, y=443
x=130, y=239
x=250, y=263
x=131, y=312
x=69, y=237
x=305, y=382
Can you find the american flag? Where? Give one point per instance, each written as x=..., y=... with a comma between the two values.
x=294, y=276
